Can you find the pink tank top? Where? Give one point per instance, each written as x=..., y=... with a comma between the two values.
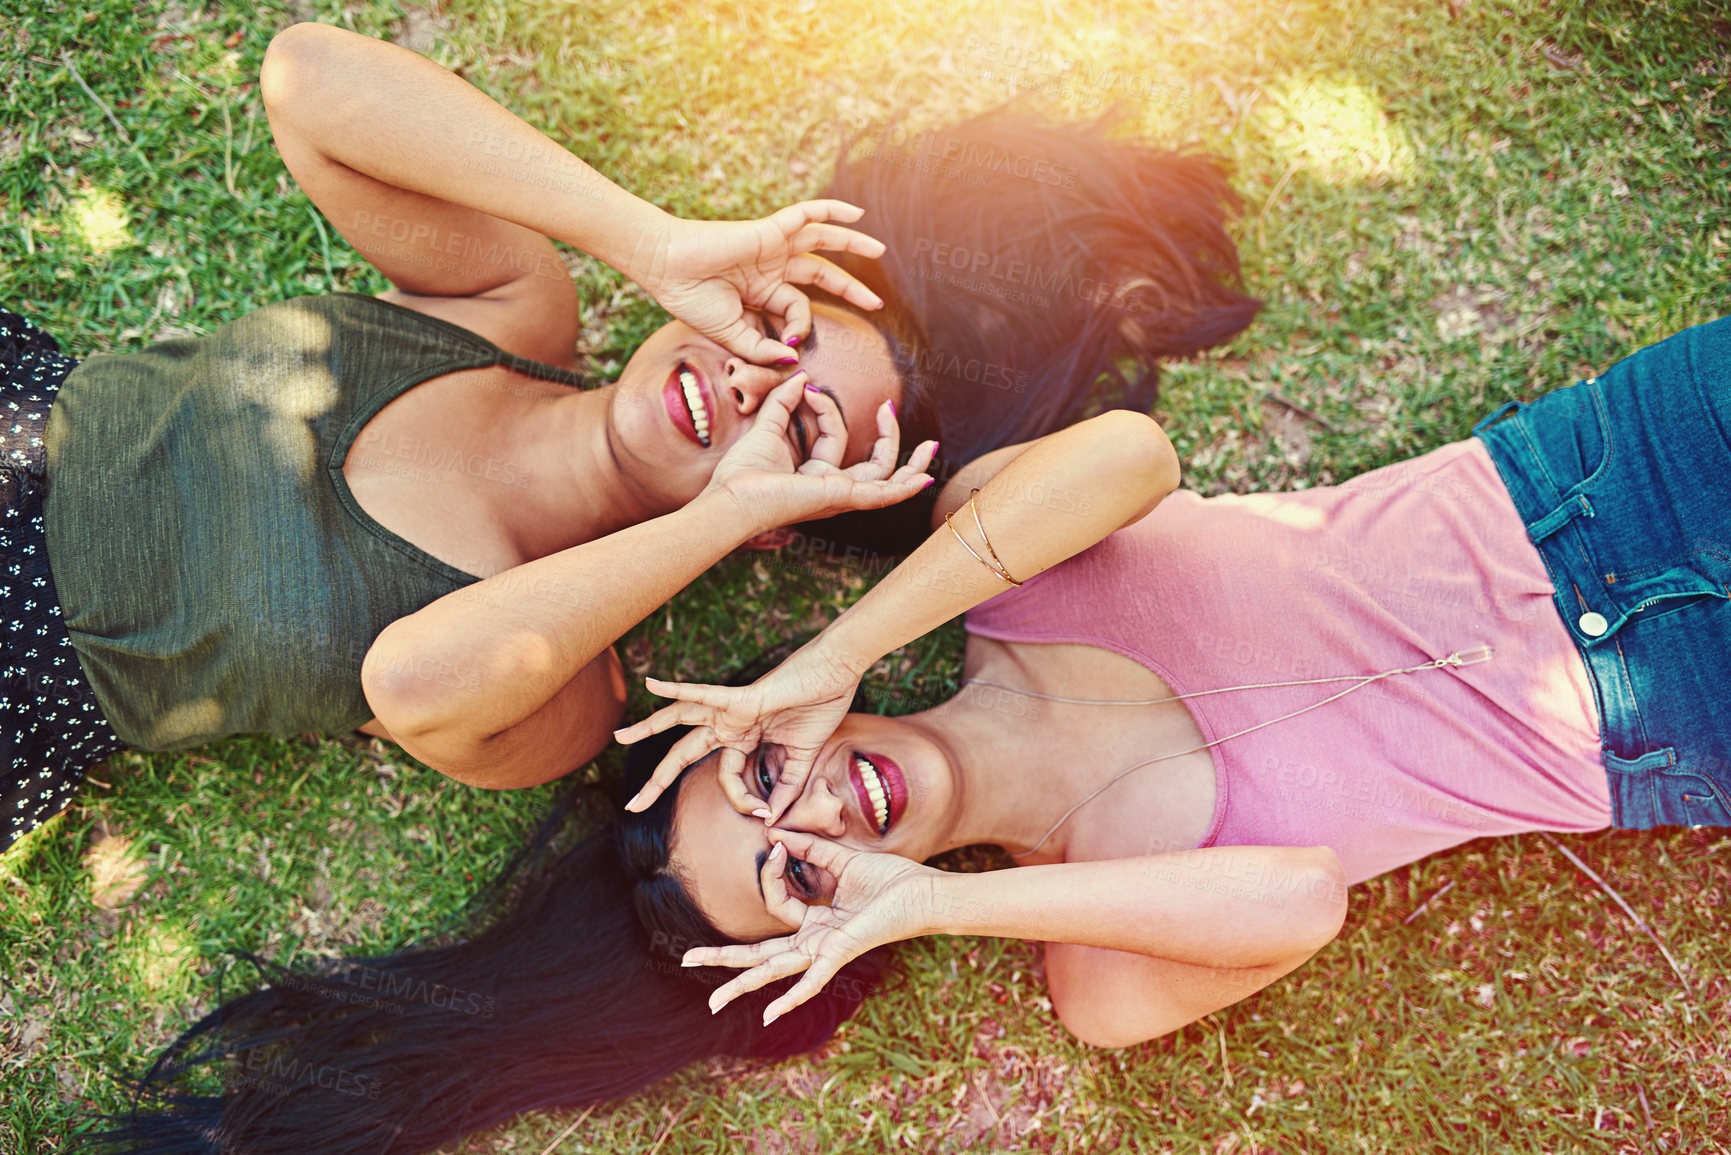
x=1396, y=567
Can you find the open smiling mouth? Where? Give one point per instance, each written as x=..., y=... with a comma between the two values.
x=882, y=791
x=694, y=405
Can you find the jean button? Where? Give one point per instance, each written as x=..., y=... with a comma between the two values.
x=1593, y=624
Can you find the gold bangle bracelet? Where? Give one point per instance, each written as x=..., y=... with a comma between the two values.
x=996, y=565
x=1001, y=567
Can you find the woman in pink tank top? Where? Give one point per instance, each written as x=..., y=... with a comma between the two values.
x=1204, y=718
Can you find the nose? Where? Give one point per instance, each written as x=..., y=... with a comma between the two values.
x=747, y=384
x=818, y=810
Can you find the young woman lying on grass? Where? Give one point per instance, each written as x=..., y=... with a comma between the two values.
x=1523, y=631
x=408, y=514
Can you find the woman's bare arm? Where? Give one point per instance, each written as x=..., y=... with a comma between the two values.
x=453, y=198
x=1138, y=947
x=447, y=193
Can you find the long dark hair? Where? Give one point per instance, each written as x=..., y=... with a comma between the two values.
x=568, y=993
x=1035, y=273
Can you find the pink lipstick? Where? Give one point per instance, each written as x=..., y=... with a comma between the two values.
x=690, y=405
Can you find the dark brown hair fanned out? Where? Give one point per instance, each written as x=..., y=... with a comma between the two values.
x=1035, y=273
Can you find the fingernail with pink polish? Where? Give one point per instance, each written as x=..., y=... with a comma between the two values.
x=928, y=483
x=793, y=342
x=892, y=407
x=810, y=388
x=787, y=360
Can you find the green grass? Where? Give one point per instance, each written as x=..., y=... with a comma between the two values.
x=1443, y=213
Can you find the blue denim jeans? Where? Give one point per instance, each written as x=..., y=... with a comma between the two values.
x=1624, y=485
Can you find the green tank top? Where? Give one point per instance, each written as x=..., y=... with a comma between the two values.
x=215, y=573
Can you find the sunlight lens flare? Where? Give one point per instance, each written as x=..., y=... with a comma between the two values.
x=1337, y=130
x=98, y=217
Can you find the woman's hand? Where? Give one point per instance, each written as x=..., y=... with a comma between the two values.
x=796, y=706
x=707, y=273
x=877, y=899
x=761, y=474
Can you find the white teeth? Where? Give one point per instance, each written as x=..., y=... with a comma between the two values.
x=877, y=790
x=694, y=402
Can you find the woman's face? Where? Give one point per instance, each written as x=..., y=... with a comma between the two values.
x=872, y=768
x=683, y=400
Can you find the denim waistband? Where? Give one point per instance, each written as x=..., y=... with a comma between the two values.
x=1623, y=483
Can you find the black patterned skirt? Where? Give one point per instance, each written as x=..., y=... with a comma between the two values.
x=51, y=728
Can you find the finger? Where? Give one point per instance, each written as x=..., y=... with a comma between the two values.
x=789, y=306
x=815, y=233
x=819, y=236
x=811, y=269
x=742, y=338
x=776, y=409
x=919, y=461
x=888, y=446
x=885, y=449
x=741, y=954
x=831, y=440
x=796, y=216
x=669, y=716
x=731, y=774
x=719, y=697
x=688, y=751
x=817, y=975
x=818, y=851
x=779, y=967
x=787, y=789
x=878, y=494
x=777, y=898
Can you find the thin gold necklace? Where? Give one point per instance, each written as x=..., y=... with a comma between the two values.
x=1455, y=660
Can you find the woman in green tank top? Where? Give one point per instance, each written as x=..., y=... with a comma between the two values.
x=407, y=515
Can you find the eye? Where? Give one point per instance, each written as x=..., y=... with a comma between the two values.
x=765, y=783
x=796, y=426
x=800, y=871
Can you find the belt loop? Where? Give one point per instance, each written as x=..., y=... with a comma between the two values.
x=1577, y=506
x=1492, y=418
